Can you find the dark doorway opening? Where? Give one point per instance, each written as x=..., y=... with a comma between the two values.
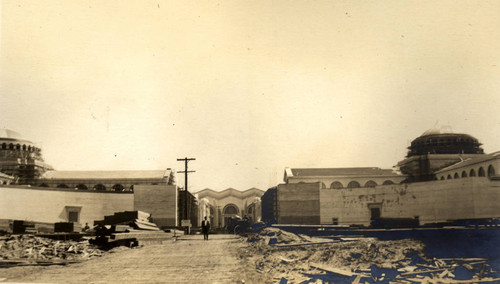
x=375, y=213
x=375, y=210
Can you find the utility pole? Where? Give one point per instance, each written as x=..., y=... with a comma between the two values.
x=185, y=172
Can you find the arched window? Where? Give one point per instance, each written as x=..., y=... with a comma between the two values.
x=230, y=209
x=491, y=171
x=323, y=185
x=118, y=187
x=448, y=177
x=464, y=174
x=62, y=185
x=387, y=182
x=81, y=187
x=370, y=183
x=336, y=185
x=472, y=173
x=100, y=187
x=353, y=184
x=481, y=172
x=4, y=146
x=44, y=185
x=18, y=146
x=24, y=147
x=456, y=175
x=442, y=177
x=11, y=146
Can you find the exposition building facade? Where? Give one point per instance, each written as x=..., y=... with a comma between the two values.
x=31, y=190
x=445, y=176
x=219, y=206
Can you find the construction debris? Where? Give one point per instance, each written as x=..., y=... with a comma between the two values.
x=129, y=228
x=135, y=219
x=16, y=250
x=289, y=258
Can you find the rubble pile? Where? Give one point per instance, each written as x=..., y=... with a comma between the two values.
x=292, y=258
x=129, y=228
x=31, y=250
x=279, y=237
x=362, y=253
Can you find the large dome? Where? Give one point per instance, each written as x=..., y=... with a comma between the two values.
x=443, y=142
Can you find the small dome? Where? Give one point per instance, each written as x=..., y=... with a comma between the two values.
x=10, y=134
x=445, y=129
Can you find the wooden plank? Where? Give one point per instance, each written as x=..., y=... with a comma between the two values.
x=466, y=259
x=335, y=270
x=305, y=244
x=357, y=279
x=145, y=225
x=142, y=235
x=423, y=271
x=426, y=280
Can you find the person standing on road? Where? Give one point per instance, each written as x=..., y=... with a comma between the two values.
x=205, y=228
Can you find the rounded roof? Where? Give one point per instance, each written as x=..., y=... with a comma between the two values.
x=443, y=141
x=10, y=134
x=442, y=130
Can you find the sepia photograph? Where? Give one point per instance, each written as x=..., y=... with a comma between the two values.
x=159, y=141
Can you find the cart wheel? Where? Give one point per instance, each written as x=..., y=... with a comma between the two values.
x=237, y=229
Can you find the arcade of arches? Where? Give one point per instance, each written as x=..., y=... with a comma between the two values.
x=219, y=206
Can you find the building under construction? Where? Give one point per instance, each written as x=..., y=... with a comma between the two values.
x=31, y=190
x=444, y=177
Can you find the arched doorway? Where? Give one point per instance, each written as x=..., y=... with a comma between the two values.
x=118, y=187
x=100, y=187
x=81, y=187
x=370, y=183
x=250, y=213
x=229, y=211
x=491, y=171
x=353, y=184
x=336, y=185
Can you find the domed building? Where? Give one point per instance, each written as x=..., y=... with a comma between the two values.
x=445, y=177
x=20, y=158
x=436, y=149
x=436, y=142
x=32, y=190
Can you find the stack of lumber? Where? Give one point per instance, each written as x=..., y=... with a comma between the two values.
x=27, y=227
x=129, y=228
x=67, y=227
x=136, y=219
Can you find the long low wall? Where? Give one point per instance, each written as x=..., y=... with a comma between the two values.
x=434, y=201
x=55, y=205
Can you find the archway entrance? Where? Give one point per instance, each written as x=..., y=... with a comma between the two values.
x=229, y=211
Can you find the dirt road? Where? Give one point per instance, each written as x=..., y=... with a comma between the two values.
x=188, y=260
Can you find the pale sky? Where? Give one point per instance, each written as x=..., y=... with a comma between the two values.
x=245, y=87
